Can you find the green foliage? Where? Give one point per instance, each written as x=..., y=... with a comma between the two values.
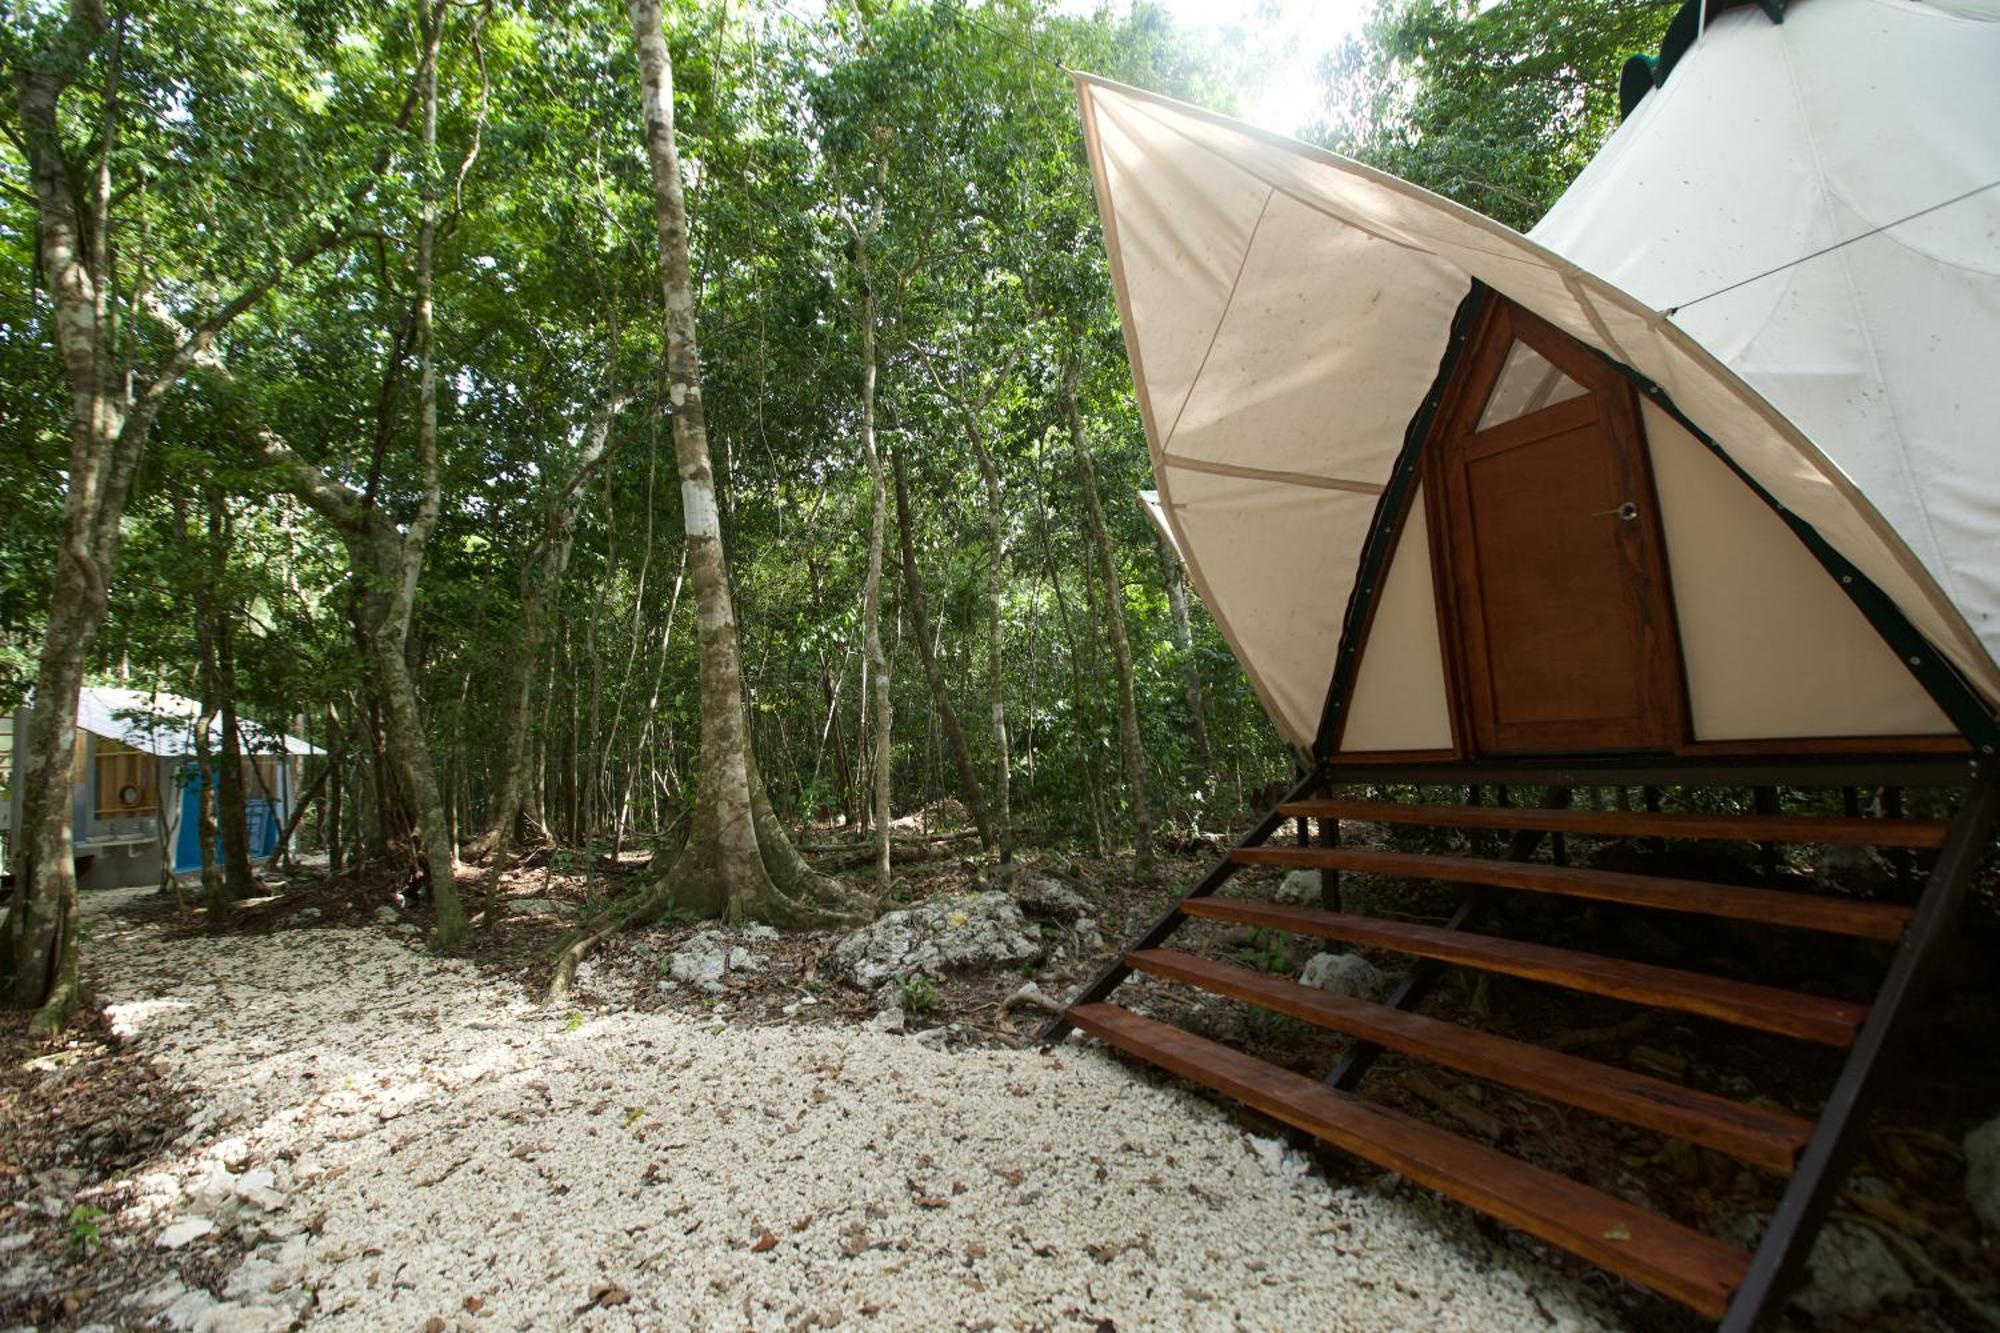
x=916, y=994
x=1266, y=953
x=1497, y=106
x=243, y=129
x=86, y=1231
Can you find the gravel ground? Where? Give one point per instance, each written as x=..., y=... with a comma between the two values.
x=384, y=1139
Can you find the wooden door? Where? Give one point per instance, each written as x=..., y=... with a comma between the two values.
x=1551, y=567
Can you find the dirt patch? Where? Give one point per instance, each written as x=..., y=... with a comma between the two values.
x=82, y=1115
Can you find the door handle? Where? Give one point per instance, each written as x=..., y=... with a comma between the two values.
x=1624, y=513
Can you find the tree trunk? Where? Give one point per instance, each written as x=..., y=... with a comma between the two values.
x=1080, y=713
x=214, y=886
x=877, y=661
x=1114, y=616
x=388, y=561
x=541, y=575
x=230, y=805
x=399, y=694
x=300, y=805
x=1174, y=577
x=996, y=573
x=737, y=863
x=968, y=777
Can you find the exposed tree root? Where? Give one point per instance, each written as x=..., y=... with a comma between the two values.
x=779, y=889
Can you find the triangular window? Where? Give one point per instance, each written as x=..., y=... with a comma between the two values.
x=1527, y=383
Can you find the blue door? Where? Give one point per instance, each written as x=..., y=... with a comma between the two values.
x=260, y=818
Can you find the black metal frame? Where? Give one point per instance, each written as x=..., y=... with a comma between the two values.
x=1170, y=920
x=1788, y=1239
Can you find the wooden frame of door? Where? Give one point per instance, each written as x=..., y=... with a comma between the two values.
x=1661, y=722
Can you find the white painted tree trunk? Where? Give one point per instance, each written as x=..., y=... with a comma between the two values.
x=737, y=862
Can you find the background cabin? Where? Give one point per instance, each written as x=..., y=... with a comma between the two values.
x=137, y=798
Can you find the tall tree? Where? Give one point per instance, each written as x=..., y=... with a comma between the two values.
x=126, y=332
x=1114, y=617
x=387, y=556
x=738, y=863
x=540, y=578
x=971, y=405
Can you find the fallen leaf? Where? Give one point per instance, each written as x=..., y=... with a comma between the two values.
x=604, y=1297
x=767, y=1241
x=435, y=1324
x=473, y=1305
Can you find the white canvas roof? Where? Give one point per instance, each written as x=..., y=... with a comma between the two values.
x=163, y=724
x=1286, y=311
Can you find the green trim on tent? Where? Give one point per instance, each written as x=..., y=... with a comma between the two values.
x=1641, y=73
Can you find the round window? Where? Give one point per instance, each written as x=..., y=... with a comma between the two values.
x=128, y=795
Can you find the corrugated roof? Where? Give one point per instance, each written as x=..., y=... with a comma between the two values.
x=163, y=724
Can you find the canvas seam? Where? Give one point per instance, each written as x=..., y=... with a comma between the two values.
x=1221, y=317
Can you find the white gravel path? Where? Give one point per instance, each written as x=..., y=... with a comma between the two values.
x=443, y=1154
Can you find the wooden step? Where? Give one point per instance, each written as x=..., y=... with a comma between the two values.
x=1637, y=823
x=1674, y=1260
x=1789, y=1013
x=1770, y=1139
x=1777, y=907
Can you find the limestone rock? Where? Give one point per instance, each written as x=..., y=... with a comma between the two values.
x=1344, y=974
x=705, y=959
x=184, y=1231
x=1851, y=1269
x=1088, y=938
x=268, y=1269
x=259, y=1188
x=1298, y=887
x=244, y=1319
x=965, y=930
x=1042, y=894
x=1982, y=1172
x=1854, y=868
x=889, y=1020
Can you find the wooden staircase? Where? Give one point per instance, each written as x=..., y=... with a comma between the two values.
x=1742, y=1288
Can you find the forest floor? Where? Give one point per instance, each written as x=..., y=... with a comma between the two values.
x=379, y=1137
x=347, y=1129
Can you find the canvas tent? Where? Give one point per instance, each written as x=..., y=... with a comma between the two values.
x=1690, y=489
x=138, y=788
x=1287, y=312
